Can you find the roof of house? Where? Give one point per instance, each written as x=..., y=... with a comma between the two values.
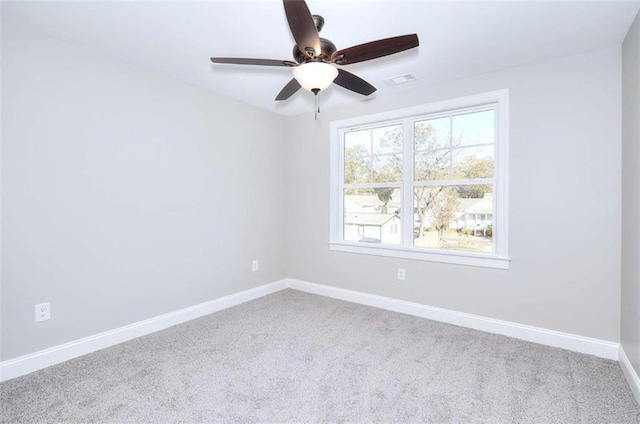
x=373, y=201
x=365, y=200
x=484, y=205
x=369, y=219
x=466, y=204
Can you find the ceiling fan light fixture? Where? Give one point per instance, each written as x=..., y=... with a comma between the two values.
x=315, y=75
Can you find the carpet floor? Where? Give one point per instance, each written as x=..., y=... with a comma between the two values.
x=297, y=357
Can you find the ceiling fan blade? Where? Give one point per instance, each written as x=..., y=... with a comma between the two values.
x=302, y=26
x=375, y=49
x=249, y=61
x=354, y=83
x=288, y=90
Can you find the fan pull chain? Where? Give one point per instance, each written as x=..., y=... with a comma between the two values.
x=317, y=108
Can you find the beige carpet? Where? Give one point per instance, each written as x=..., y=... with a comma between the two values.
x=296, y=357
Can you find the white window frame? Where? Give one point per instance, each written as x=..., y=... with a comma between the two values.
x=499, y=258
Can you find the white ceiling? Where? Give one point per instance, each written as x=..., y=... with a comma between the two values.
x=457, y=39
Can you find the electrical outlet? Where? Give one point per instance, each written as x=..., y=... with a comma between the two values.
x=43, y=312
x=254, y=265
x=402, y=274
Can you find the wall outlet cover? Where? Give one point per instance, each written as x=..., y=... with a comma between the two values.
x=43, y=312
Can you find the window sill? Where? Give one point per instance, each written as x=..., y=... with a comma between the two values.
x=485, y=260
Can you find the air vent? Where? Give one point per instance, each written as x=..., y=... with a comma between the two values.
x=400, y=79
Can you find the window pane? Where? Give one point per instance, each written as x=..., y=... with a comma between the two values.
x=432, y=133
x=372, y=215
x=387, y=139
x=472, y=162
x=387, y=168
x=454, y=218
x=357, y=165
x=358, y=142
x=473, y=128
x=432, y=165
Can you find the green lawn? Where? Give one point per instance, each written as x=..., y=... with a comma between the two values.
x=451, y=240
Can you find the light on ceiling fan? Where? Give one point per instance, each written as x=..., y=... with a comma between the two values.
x=315, y=75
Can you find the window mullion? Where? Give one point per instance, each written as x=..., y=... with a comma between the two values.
x=435, y=183
x=372, y=185
x=407, y=182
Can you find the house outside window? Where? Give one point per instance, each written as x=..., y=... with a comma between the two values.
x=427, y=183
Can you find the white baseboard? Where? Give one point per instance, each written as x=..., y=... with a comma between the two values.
x=630, y=374
x=57, y=354
x=601, y=348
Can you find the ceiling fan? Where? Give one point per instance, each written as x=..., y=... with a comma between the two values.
x=316, y=57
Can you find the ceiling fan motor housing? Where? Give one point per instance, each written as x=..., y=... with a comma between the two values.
x=327, y=48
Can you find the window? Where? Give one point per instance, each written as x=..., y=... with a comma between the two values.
x=426, y=183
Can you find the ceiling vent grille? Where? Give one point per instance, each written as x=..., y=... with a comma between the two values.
x=400, y=79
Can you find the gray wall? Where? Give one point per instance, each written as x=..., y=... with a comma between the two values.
x=564, y=203
x=126, y=194
x=630, y=316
